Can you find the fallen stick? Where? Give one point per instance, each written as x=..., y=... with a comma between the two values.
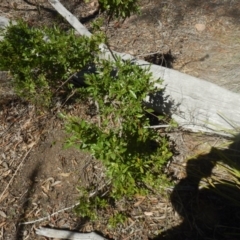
x=158, y=126
x=82, y=30
x=73, y=21
x=70, y=18
x=49, y=216
x=65, y=234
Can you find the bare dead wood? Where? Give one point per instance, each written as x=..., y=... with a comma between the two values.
x=70, y=18
x=80, y=28
x=65, y=234
x=198, y=102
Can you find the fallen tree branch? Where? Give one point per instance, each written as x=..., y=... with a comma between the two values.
x=70, y=18
x=49, y=216
x=65, y=234
x=80, y=28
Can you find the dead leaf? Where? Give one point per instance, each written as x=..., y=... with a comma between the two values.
x=30, y=145
x=45, y=189
x=64, y=174
x=49, y=180
x=4, y=196
x=5, y=165
x=138, y=196
x=139, y=202
x=6, y=173
x=153, y=200
x=94, y=3
x=148, y=213
x=45, y=195
x=56, y=183
x=3, y=214
x=26, y=124
x=2, y=224
x=131, y=52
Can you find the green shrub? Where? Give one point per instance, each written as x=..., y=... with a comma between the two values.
x=119, y=8
x=41, y=60
x=132, y=154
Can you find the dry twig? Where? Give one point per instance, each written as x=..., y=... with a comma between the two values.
x=50, y=215
x=16, y=172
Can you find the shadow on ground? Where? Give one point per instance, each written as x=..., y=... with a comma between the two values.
x=26, y=204
x=207, y=213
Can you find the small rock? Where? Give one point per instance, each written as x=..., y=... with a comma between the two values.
x=200, y=27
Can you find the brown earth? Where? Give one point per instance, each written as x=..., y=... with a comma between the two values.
x=203, y=37
x=39, y=178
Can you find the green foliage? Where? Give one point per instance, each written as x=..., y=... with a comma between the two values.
x=132, y=154
x=96, y=25
x=41, y=60
x=119, y=8
x=118, y=218
x=88, y=207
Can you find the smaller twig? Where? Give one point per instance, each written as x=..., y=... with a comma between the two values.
x=111, y=52
x=15, y=172
x=228, y=121
x=158, y=126
x=99, y=116
x=49, y=216
x=97, y=106
x=154, y=115
x=146, y=54
x=73, y=92
x=99, y=189
x=65, y=82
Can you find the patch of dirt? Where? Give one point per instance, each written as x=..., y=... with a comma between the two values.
x=39, y=178
x=202, y=36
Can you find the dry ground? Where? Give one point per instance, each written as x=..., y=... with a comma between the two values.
x=200, y=38
x=39, y=178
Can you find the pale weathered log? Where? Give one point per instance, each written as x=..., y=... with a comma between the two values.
x=65, y=234
x=195, y=104
x=69, y=17
x=4, y=23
